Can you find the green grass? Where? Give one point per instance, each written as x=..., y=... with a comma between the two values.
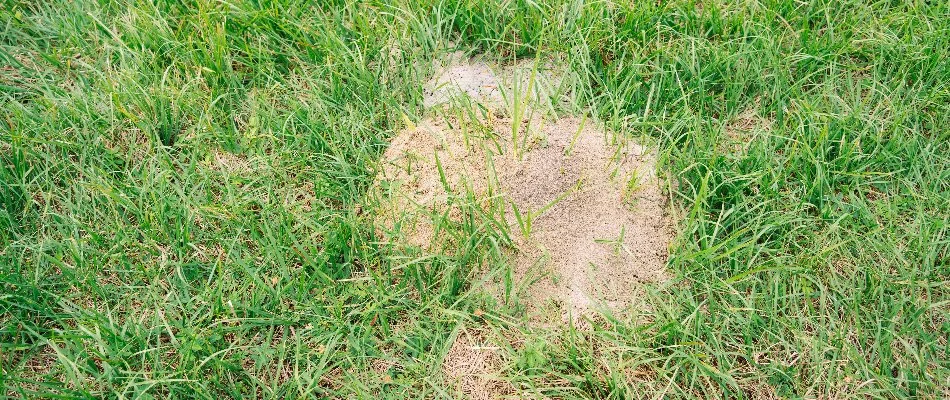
x=184, y=208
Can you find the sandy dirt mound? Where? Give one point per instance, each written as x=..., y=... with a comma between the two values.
x=598, y=221
x=461, y=75
x=411, y=185
x=601, y=229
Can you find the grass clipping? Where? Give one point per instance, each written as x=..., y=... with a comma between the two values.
x=583, y=206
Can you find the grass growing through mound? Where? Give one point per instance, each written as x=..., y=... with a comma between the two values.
x=183, y=208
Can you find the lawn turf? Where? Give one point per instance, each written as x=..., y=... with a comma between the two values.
x=184, y=208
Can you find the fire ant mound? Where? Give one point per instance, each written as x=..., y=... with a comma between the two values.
x=583, y=206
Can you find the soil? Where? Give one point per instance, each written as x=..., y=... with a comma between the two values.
x=462, y=76
x=608, y=231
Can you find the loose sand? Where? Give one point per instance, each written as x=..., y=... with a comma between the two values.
x=461, y=75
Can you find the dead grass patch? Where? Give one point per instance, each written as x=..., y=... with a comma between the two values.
x=473, y=365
